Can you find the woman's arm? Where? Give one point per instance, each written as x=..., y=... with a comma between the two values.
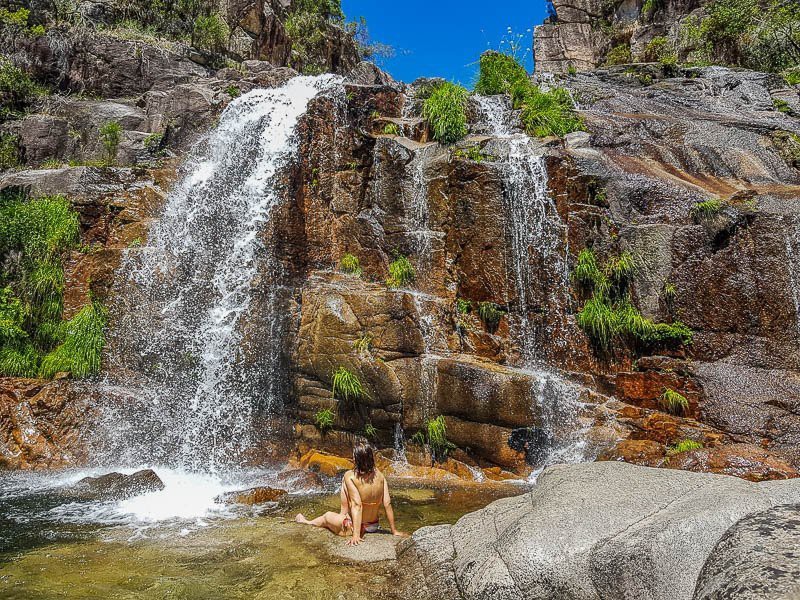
x=387, y=506
x=355, y=511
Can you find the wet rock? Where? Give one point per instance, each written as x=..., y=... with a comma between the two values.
x=757, y=558
x=367, y=73
x=253, y=496
x=740, y=460
x=299, y=480
x=117, y=486
x=41, y=424
x=325, y=464
x=376, y=547
x=647, y=453
x=623, y=522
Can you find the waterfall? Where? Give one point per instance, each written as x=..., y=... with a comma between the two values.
x=187, y=382
x=538, y=261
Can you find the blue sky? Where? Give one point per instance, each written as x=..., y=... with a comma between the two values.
x=445, y=37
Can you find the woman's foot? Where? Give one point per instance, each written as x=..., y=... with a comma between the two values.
x=301, y=519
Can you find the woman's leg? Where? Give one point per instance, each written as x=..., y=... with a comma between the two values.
x=330, y=520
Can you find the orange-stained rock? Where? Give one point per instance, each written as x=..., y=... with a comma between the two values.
x=740, y=460
x=253, y=496
x=498, y=474
x=324, y=463
x=644, y=389
x=638, y=452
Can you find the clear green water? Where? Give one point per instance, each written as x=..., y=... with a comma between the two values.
x=49, y=551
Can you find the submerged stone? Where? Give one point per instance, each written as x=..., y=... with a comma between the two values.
x=117, y=486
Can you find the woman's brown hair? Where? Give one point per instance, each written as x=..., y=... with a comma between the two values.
x=364, y=459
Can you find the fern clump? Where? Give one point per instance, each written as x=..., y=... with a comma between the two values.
x=324, y=420
x=684, y=446
x=446, y=112
x=401, y=272
x=673, y=402
x=351, y=265
x=491, y=314
x=346, y=385
x=82, y=348
x=498, y=73
x=543, y=114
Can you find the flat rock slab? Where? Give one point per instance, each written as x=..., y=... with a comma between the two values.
x=595, y=531
x=376, y=547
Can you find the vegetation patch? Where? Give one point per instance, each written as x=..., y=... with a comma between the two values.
x=391, y=129
x=684, y=446
x=491, y=314
x=446, y=112
x=401, y=272
x=673, y=402
x=619, y=55
x=473, y=153
x=363, y=344
x=110, y=137
x=17, y=89
x=499, y=73
x=370, y=432
x=346, y=385
x=9, y=151
x=324, y=420
x=34, y=340
x=545, y=113
x=707, y=210
x=608, y=316
x=434, y=436
x=351, y=265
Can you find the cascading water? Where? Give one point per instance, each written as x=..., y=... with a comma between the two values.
x=538, y=259
x=185, y=382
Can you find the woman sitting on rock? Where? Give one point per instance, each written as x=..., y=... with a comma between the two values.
x=364, y=490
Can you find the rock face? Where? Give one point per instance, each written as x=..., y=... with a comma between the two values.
x=592, y=531
x=756, y=558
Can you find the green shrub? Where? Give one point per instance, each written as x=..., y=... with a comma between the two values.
x=673, y=402
x=210, y=33
x=324, y=420
x=391, y=129
x=572, y=70
x=346, y=385
x=706, y=210
x=153, y=143
x=17, y=89
x=544, y=114
x=792, y=76
x=233, y=91
x=463, y=306
x=498, y=73
x=9, y=151
x=350, y=265
x=491, y=315
x=80, y=353
x=684, y=446
x=370, y=432
x=18, y=20
x=401, y=272
x=660, y=49
x=110, y=137
x=445, y=111
x=619, y=55
x=307, y=25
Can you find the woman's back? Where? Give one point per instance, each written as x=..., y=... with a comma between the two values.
x=370, y=489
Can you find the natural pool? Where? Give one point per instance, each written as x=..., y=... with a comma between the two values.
x=179, y=543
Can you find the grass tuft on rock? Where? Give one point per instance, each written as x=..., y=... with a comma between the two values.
x=324, y=420
x=498, y=73
x=673, y=402
x=545, y=113
x=707, y=210
x=683, y=446
x=446, y=112
x=363, y=344
x=350, y=265
x=434, y=436
x=346, y=385
x=401, y=272
x=81, y=351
